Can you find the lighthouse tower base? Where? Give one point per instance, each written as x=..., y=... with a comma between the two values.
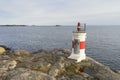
x=78, y=57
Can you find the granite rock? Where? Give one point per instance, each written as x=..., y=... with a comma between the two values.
x=52, y=65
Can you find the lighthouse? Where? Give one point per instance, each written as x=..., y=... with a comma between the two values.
x=78, y=43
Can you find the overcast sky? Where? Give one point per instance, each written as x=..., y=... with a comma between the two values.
x=64, y=12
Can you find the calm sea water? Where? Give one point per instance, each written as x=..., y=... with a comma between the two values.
x=103, y=42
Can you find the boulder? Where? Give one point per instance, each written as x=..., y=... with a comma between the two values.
x=20, y=53
x=3, y=49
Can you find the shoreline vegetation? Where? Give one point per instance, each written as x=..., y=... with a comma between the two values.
x=51, y=65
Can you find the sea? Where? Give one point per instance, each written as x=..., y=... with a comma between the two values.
x=102, y=42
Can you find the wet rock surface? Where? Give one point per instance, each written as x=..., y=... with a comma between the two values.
x=52, y=65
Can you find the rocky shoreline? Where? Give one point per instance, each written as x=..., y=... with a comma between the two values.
x=51, y=65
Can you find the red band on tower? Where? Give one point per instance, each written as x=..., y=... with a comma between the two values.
x=82, y=45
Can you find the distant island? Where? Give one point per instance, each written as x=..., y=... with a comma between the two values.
x=13, y=25
x=57, y=25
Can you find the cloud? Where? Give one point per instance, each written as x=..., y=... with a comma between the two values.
x=47, y=12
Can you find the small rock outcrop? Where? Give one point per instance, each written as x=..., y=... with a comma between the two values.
x=51, y=65
x=3, y=49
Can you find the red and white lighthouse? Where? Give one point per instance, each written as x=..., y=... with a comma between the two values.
x=78, y=43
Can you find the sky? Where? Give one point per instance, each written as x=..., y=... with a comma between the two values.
x=62, y=12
